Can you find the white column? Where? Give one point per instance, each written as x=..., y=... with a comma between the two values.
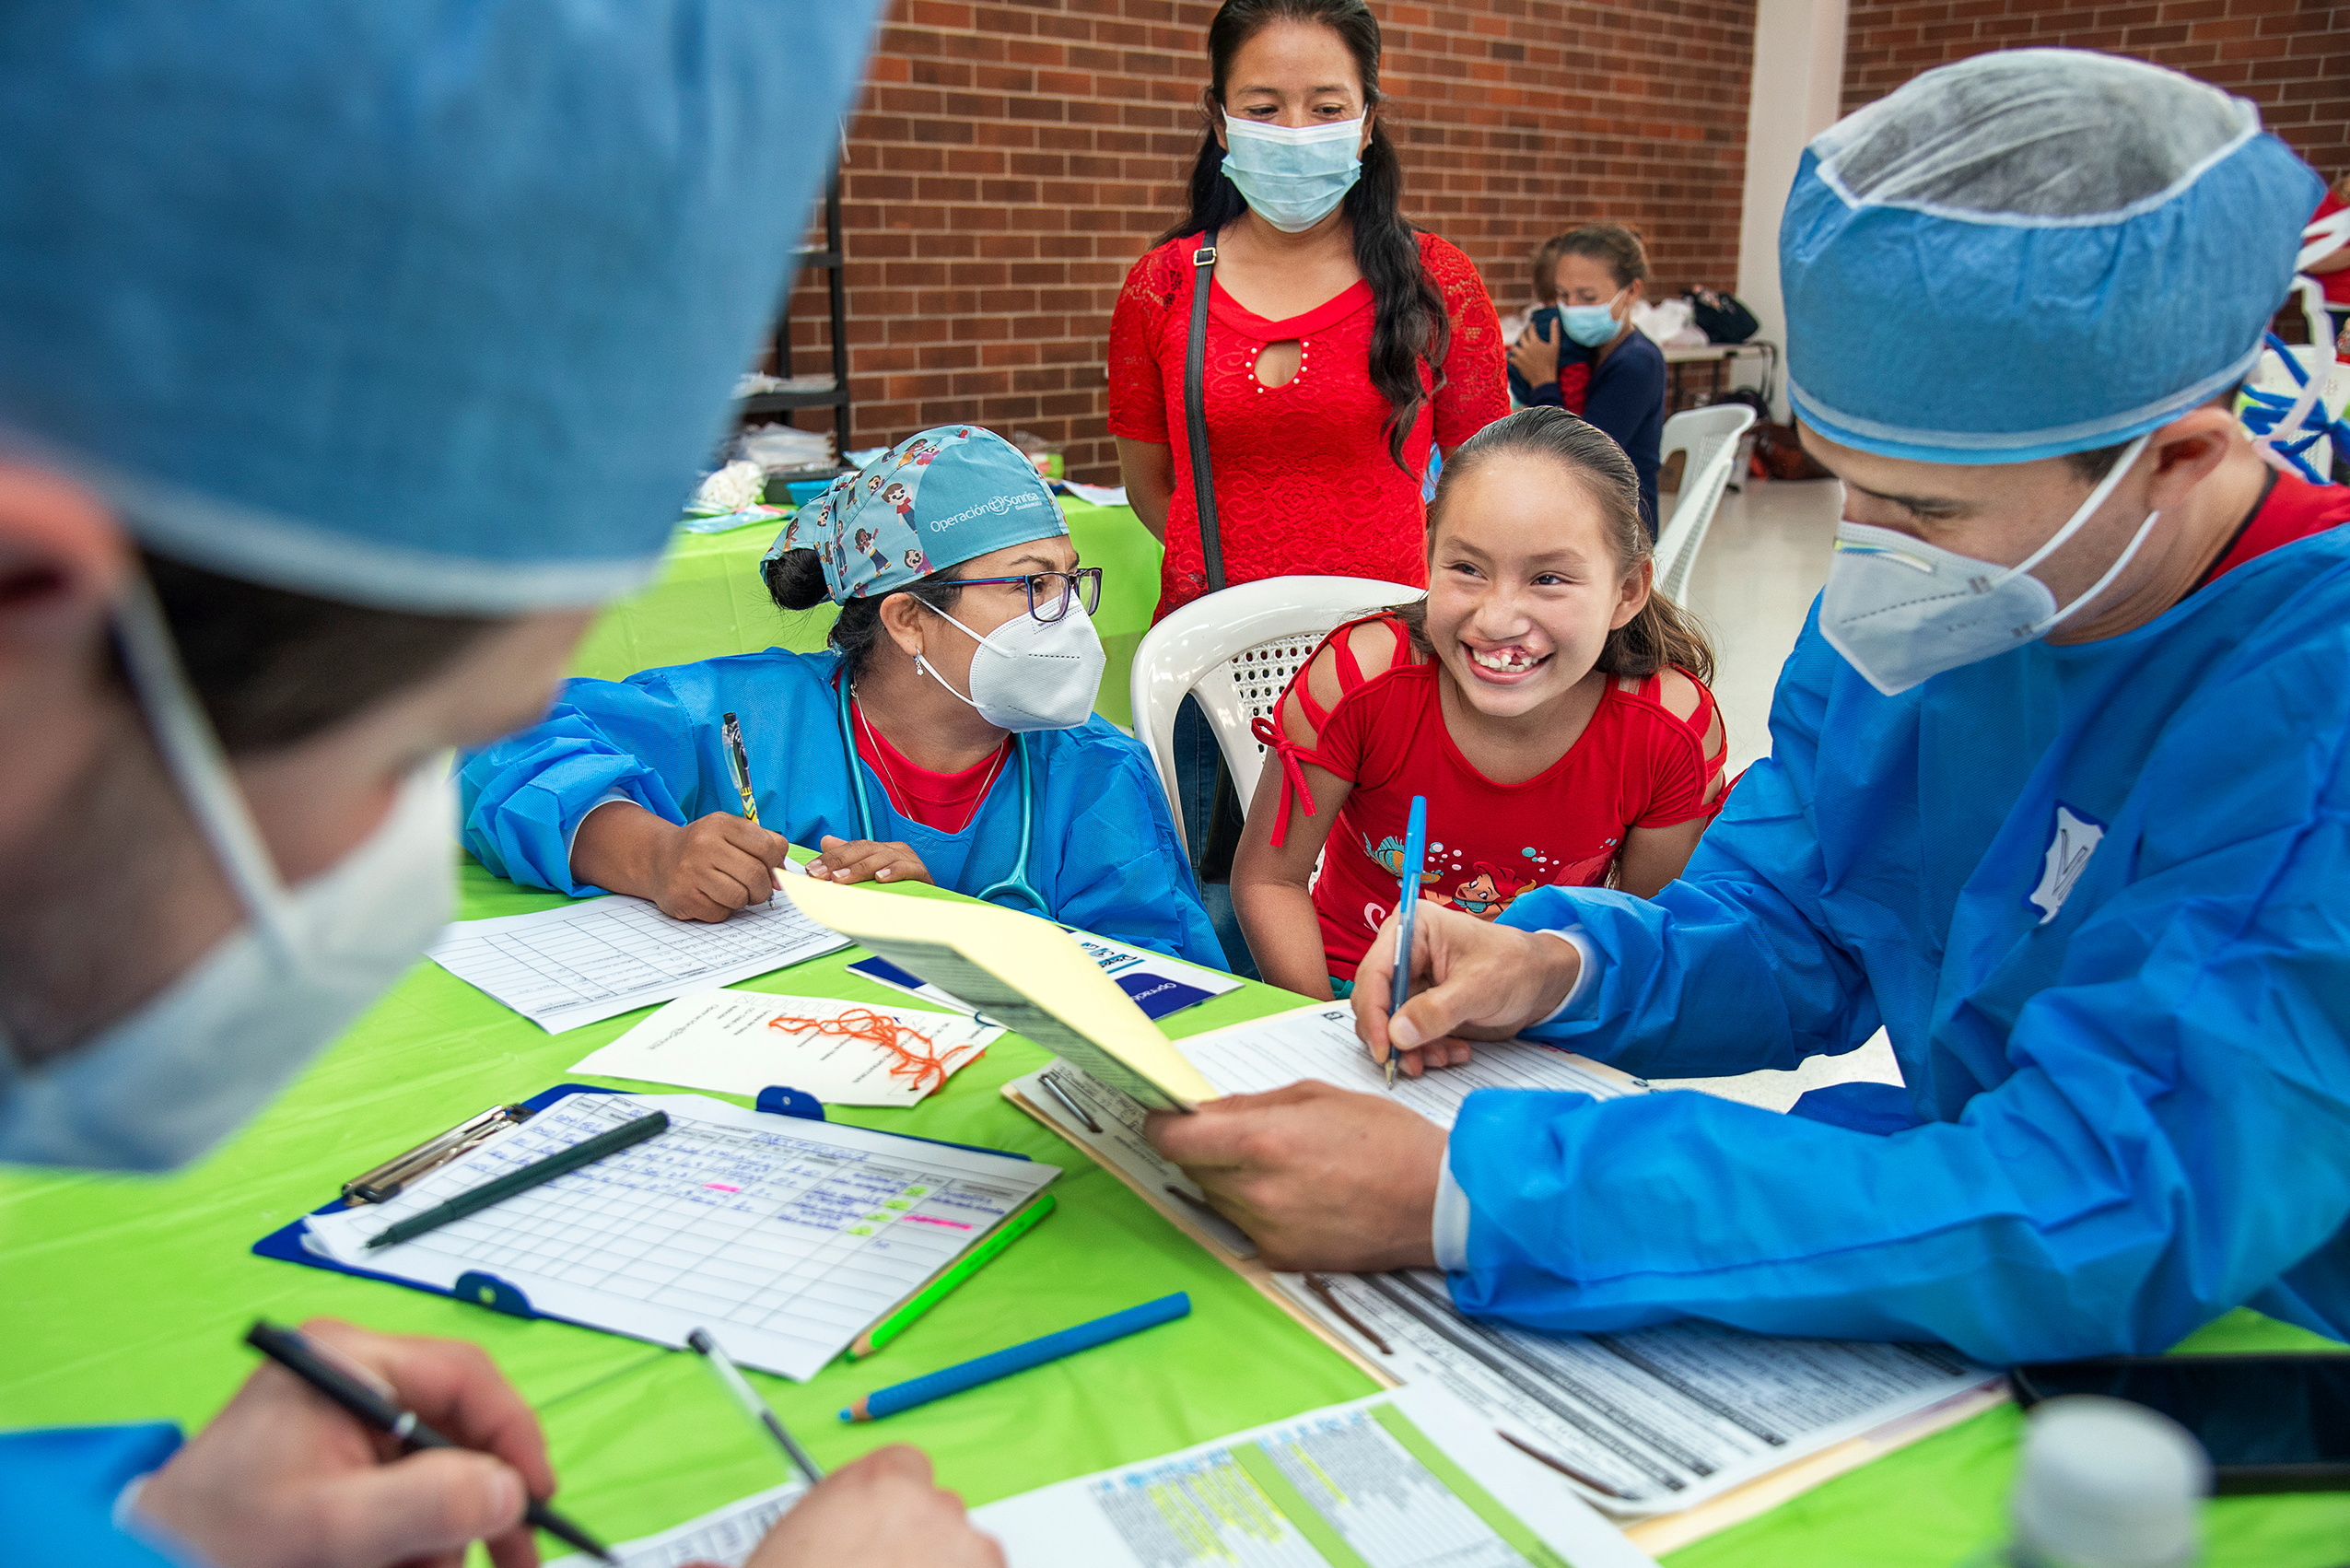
x=1798, y=82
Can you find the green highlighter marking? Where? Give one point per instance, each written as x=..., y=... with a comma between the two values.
x=1482, y=1503
x=1292, y=1504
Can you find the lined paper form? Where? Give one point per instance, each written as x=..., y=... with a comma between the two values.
x=600, y=957
x=784, y=1237
x=1319, y=1042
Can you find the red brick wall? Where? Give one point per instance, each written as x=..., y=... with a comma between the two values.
x=1008, y=162
x=2289, y=56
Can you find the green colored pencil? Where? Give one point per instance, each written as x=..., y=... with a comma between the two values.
x=897, y=1322
x=562, y=1163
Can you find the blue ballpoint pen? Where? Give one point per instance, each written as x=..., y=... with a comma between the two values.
x=1407, y=906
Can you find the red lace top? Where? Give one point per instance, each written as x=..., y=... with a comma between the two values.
x=945, y=800
x=1635, y=765
x=1304, y=481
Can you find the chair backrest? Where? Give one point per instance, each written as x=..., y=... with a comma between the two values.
x=1710, y=436
x=1238, y=650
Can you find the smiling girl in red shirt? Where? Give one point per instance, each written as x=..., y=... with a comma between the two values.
x=1548, y=702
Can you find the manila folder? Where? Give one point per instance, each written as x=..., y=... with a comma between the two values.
x=1023, y=973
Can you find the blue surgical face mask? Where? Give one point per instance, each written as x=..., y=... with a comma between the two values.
x=1590, y=325
x=1294, y=176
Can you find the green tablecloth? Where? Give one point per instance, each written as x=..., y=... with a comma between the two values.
x=710, y=601
x=126, y=1301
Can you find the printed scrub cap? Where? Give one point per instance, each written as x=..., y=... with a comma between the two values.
x=932, y=501
x=430, y=307
x=2033, y=252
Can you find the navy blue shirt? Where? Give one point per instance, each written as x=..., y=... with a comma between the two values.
x=1627, y=400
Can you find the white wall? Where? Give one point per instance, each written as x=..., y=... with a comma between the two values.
x=1798, y=81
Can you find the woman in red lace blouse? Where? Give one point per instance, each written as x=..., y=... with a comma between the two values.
x=1340, y=343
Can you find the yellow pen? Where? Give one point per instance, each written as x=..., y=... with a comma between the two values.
x=738, y=763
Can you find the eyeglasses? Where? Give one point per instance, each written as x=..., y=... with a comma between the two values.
x=1050, y=593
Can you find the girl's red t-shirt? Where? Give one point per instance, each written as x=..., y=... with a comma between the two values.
x=1635, y=765
x=1305, y=483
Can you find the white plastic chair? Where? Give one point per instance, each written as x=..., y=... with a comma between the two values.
x=1238, y=650
x=1710, y=436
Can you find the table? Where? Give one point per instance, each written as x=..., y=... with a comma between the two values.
x=710, y=601
x=126, y=1300
x=1719, y=356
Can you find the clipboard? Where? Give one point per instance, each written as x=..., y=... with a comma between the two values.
x=486, y=1288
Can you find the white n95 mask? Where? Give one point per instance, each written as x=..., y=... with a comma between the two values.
x=1294, y=176
x=1901, y=611
x=1031, y=674
x=158, y=1088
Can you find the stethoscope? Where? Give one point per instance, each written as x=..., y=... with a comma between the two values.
x=1017, y=885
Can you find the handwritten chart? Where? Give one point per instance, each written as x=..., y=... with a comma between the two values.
x=784, y=1237
x=601, y=957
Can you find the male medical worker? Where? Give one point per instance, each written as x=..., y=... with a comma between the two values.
x=349, y=353
x=2057, y=795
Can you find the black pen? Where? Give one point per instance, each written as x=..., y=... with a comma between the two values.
x=373, y=1407
x=498, y=1189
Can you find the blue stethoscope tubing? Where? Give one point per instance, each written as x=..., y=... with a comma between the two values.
x=1017, y=885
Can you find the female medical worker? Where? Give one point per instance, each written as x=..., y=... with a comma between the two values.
x=947, y=737
x=2091, y=883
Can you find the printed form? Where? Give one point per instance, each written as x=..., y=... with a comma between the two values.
x=600, y=957
x=783, y=1238
x=1402, y=1479
x=1644, y=1420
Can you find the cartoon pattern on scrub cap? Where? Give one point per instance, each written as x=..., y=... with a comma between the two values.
x=932, y=501
x=2033, y=252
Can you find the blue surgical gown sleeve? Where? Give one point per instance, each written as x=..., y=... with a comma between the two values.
x=58, y=1489
x=2161, y=1133
x=1123, y=873
x=523, y=797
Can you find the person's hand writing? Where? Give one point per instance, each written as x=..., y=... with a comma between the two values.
x=1319, y=1177
x=1536, y=358
x=1472, y=980
x=709, y=869
x=866, y=859
x=882, y=1512
x=284, y=1479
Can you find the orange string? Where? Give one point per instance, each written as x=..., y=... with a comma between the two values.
x=927, y=1067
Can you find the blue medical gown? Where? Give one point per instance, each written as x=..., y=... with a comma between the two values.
x=1104, y=852
x=2128, y=1117
x=57, y=1492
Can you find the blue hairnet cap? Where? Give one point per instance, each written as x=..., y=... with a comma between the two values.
x=934, y=500
x=2033, y=252
x=431, y=307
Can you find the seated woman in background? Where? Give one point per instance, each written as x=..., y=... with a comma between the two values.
x=1600, y=274
x=1549, y=703
x=947, y=737
x=1543, y=346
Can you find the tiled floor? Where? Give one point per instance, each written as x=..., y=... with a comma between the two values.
x=1762, y=562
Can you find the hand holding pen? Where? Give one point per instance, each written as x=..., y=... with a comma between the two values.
x=282, y=1477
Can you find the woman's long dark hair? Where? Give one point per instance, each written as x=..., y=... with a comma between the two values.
x=1661, y=633
x=1408, y=318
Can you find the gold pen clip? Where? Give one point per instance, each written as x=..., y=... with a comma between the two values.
x=386, y=1180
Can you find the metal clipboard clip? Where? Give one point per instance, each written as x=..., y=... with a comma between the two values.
x=386, y=1179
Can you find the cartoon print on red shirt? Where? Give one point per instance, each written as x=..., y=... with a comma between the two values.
x=1489, y=892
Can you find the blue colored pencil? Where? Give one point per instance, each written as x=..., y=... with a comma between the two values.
x=1018, y=1358
x=1407, y=905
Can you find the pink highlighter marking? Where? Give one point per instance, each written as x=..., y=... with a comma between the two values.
x=927, y=1219
x=721, y=1186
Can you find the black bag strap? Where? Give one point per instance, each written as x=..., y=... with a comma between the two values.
x=1195, y=414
